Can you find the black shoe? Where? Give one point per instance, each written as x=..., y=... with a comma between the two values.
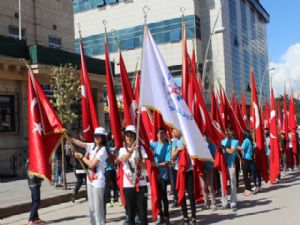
x=73, y=197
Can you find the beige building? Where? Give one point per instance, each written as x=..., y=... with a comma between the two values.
x=48, y=40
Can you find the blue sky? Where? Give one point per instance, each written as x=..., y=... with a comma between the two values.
x=284, y=26
x=284, y=42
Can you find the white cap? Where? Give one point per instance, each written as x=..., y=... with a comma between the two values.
x=131, y=129
x=99, y=131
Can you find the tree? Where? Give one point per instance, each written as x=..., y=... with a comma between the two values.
x=66, y=88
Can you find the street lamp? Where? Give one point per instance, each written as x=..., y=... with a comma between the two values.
x=263, y=80
x=214, y=31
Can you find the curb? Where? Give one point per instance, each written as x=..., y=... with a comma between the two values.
x=26, y=207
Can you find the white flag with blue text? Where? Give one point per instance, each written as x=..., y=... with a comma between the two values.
x=160, y=92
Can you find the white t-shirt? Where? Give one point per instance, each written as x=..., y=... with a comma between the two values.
x=98, y=173
x=128, y=173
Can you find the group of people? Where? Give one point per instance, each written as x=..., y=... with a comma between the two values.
x=103, y=161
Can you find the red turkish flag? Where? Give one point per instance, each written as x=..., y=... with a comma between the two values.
x=267, y=115
x=231, y=118
x=261, y=158
x=279, y=118
x=183, y=165
x=130, y=105
x=244, y=111
x=45, y=130
x=285, y=128
x=89, y=114
x=114, y=114
x=293, y=128
x=239, y=115
x=274, y=142
x=215, y=113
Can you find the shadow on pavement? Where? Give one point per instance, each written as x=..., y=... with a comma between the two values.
x=66, y=219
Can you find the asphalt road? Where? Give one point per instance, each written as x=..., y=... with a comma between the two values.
x=276, y=205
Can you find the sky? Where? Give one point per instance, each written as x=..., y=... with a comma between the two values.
x=284, y=43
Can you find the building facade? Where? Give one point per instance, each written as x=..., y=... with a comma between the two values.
x=48, y=40
x=231, y=53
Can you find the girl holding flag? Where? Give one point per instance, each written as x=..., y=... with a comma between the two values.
x=95, y=158
x=134, y=180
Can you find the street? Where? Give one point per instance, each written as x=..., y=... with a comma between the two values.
x=276, y=205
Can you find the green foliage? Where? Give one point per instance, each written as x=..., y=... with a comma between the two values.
x=66, y=88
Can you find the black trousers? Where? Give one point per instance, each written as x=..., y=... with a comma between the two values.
x=255, y=175
x=136, y=202
x=162, y=184
x=247, y=165
x=189, y=186
x=111, y=184
x=35, y=202
x=80, y=178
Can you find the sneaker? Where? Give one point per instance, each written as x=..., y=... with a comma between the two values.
x=30, y=222
x=193, y=221
x=137, y=220
x=214, y=208
x=260, y=189
x=160, y=220
x=110, y=205
x=117, y=203
x=206, y=207
x=174, y=205
x=234, y=208
x=255, y=190
x=125, y=221
x=186, y=221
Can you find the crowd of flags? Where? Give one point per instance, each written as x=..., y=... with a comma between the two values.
x=46, y=130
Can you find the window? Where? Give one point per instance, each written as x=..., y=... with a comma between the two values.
x=175, y=36
x=8, y=115
x=54, y=42
x=14, y=32
x=127, y=44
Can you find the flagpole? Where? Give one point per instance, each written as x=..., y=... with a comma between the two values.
x=146, y=9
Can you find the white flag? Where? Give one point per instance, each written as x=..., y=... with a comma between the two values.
x=161, y=93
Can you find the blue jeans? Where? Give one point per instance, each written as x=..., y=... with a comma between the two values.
x=35, y=204
x=173, y=174
x=58, y=177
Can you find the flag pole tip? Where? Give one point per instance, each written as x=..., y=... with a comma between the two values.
x=146, y=10
x=182, y=9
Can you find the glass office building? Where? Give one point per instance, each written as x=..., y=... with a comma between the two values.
x=231, y=54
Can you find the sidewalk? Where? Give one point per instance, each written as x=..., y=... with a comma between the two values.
x=15, y=196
